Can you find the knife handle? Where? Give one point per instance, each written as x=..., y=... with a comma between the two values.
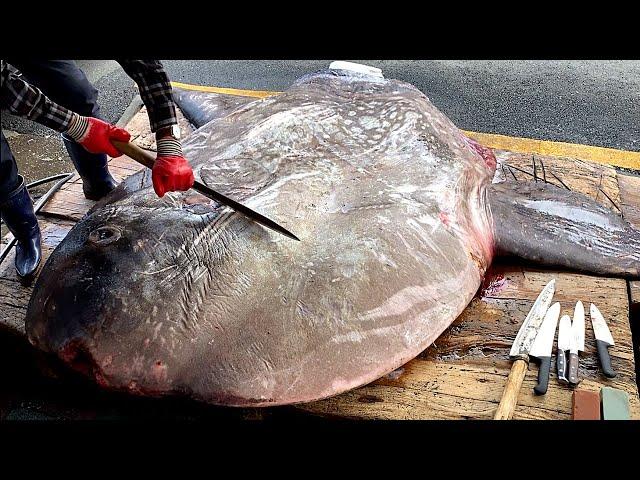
x=510, y=394
x=561, y=363
x=573, y=368
x=605, y=359
x=543, y=376
x=135, y=153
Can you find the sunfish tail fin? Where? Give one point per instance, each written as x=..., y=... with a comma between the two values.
x=549, y=225
x=200, y=107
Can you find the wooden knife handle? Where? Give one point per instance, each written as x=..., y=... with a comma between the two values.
x=574, y=360
x=135, y=152
x=510, y=394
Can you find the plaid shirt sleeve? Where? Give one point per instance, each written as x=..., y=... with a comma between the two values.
x=27, y=101
x=155, y=90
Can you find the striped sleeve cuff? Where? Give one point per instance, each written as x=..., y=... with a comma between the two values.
x=169, y=147
x=78, y=127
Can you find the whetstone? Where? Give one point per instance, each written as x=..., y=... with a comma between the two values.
x=585, y=405
x=615, y=404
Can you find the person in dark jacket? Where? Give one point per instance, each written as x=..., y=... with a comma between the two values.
x=58, y=95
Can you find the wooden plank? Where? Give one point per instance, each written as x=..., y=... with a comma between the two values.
x=14, y=297
x=587, y=178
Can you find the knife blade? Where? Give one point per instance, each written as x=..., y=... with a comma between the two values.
x=564, y=343
x=246, y=211
x=577, y=328
x=578, y=324
x=604, y=340
x=543, y=345
x=531, y=325
x=145, y=158
x=520, y=351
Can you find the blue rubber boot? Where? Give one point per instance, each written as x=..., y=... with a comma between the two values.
x=19, y=217
x=97, y=182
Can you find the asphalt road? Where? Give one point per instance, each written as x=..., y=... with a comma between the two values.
x=590, y=102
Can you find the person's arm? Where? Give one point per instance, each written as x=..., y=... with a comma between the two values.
x=171, y=171
x=27, y=101
x=155, y=91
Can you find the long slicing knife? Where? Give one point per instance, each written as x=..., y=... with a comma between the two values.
x=577, y=329
x=520, y=352
x=543, y=345
x=604, y=340
x=146, y=159
x=564, y=344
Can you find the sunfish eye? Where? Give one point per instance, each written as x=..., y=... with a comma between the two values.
x=104, y=235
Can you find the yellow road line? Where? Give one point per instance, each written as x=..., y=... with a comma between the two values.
x=606, y=156
x=227, y=91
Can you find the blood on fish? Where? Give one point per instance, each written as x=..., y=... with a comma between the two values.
x=492, y=285
x=485, y=152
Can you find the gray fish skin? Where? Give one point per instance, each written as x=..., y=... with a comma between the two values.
x=179, y=296
x=398, y=221
x=552, y=226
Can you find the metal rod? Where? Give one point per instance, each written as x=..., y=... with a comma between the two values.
x=563, y=184
x=41, y=202
x=609, y=198
x=528, y=173
x=47, y=180
x=519, y=169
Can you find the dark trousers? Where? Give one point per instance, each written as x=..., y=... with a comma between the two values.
x=64, y=83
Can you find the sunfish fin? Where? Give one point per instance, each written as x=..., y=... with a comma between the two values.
x=549, y=225
x=200, y=107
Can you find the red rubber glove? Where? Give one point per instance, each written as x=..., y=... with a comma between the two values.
x=170, y=174
x=95, y=135
x=171, y=171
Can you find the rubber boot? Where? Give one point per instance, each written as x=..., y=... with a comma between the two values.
x=20, y=219
x=97, y=182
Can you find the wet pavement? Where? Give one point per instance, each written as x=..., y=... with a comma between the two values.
x=38, y=157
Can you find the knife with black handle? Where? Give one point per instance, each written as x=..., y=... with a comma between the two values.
x=543, y=345
x=605, y=359
x=604, y=340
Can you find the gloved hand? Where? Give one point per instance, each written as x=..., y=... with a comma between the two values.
x=171, y=171
x=95, y=135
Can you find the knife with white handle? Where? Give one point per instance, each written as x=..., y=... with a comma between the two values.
x=543, y=345
x=577, y=334
x=604, y=340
